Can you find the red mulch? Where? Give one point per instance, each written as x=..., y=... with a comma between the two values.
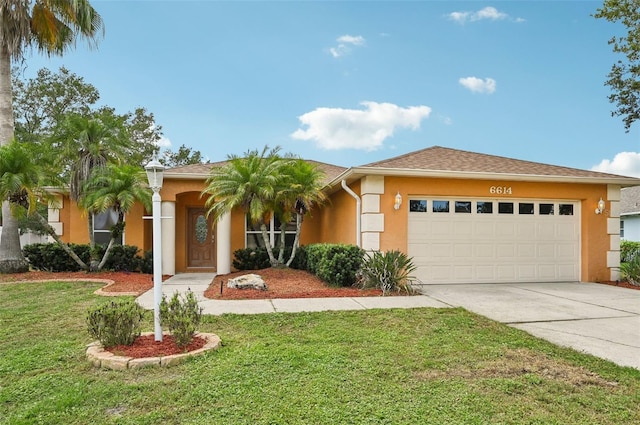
x=283, y=283
x=147, y=346
x=621, y=284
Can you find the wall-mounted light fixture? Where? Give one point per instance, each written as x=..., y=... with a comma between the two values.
x=397, y=202
x=600, y=207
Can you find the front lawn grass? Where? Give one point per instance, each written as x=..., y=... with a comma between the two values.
x=415, y=366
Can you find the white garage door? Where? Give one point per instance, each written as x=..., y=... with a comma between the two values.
x=470, y=240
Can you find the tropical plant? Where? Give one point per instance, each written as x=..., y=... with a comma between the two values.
x=302, y=185
x=51, y=26
x=630, y=271
x=22, y=178
x=389, y=271
x=250, y=182
x=115, y=188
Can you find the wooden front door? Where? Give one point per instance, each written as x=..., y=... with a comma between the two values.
x=200, y=239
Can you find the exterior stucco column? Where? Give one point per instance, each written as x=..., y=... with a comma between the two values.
x=168, y=229
x=223, y=245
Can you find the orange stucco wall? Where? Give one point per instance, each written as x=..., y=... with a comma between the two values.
x=338, y=221
x=335, y=222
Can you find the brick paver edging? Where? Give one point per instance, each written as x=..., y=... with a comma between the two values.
x=97, y=355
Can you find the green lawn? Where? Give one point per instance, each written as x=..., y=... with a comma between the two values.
x=416, y=366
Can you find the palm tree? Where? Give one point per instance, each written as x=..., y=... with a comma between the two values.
x=250, y=182
x=88, y=144
x=21, y=182
x=302, y=190
x=117, y=188
x=51, y=26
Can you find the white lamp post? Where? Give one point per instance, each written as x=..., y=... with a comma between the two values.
x=155, y=174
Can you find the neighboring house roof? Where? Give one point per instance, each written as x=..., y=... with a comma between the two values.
x=438, y=161
x=630, y=200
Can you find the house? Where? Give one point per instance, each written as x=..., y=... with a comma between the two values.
x=630, y=213
x=462, y=216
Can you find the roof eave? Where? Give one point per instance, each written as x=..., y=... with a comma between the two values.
x=357, y=173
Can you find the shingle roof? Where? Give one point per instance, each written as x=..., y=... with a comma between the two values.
x=630, y=200
x=437, y=158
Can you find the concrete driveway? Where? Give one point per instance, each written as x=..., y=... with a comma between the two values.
x=593, y=318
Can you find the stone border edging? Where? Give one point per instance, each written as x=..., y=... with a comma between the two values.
x=97, y=355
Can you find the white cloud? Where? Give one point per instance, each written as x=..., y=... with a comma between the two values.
x=345, y=44
x=163, y=142
x=624, y=164
x=364, y=129
x=478, y=85
x=488, y=13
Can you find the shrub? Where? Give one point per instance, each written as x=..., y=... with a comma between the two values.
x=181, y=316
x=52, y=258
x=389, y=271
x=121, y=258
x=116, y=322
x=258, y=258
x=630, y=271
x=251, y=259
x=146, y=262
x=629, y=250
x=336, y=264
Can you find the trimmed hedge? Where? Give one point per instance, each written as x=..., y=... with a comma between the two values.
x=336, y=264
x=51, y=257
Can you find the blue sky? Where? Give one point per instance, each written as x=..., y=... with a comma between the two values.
x=352, y=82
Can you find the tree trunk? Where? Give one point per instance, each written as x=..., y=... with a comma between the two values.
x=267, y=245
x=296, y=241
x=11, y=257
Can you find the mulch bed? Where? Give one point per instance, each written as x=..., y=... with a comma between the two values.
x=147, y=346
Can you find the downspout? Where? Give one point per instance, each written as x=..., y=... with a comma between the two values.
x=358, y=208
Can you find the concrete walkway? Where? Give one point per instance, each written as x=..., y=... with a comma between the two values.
x=597, y=319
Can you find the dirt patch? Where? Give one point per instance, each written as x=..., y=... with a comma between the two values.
x=521, y=362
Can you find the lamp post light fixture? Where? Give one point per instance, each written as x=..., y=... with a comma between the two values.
x=155, y=172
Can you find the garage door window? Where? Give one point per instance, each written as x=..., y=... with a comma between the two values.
x=565, y=209
x=505, y=207
x=463, y=207
x=545, y=209
x=440, y=206
x=483, y=207
x=525, y=208
x=418, y=205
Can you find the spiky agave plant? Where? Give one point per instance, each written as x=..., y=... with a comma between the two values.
x=388, y=271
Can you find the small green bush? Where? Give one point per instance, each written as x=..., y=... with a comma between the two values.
x=181, y=316
x=336, y=264
x=251, y=259
x=630, y=271
x=51, y=257
x=629, y=250
x=146, y=262
x=116, y=322
x=389, y=271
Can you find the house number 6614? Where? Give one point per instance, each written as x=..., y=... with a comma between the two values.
x=500, y=190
